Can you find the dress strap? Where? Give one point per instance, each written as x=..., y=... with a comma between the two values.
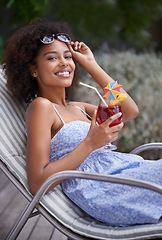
x=81, y=110
x=58, y=114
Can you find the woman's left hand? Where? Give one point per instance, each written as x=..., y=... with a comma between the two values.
x=81, y=52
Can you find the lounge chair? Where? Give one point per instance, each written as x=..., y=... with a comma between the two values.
x=55, y=205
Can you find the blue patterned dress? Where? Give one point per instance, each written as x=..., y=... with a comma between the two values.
x=114, y=204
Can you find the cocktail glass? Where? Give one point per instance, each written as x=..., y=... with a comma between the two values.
x=103, y=113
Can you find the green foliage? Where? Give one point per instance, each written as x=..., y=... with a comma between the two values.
x=94, y=21
x=138, y=17
x=110, y=20
x=24, y=11
x=141, y=77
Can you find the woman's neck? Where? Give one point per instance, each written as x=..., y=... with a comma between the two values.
x=54, y=96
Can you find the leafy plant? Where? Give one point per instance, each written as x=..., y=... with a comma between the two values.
x=24, y=11
x=93, y=21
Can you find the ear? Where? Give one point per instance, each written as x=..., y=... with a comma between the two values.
x=33, y=70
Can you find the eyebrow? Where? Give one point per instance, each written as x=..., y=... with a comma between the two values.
x=67, y=51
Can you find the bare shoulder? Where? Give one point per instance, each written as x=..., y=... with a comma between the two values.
x=39, y=107
x=39, y=103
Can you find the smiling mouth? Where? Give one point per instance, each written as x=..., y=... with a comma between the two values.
x=65, y=73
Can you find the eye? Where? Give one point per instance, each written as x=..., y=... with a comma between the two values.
x=68, y=56
x=52, y=58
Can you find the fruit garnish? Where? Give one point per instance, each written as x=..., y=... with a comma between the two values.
x=121, y=96
x=113, y=102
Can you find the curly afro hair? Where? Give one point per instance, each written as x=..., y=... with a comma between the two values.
x=22, y=48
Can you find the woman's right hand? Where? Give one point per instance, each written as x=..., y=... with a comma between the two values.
x=100, y=135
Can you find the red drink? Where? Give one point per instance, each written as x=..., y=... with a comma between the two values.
x=103, y=113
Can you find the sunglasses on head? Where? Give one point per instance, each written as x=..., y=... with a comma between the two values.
x=47, y=39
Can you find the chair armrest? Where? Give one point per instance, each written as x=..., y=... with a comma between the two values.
x=147, y=146
x=77, y=174
x=95, y=176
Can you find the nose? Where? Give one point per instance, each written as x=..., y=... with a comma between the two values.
x=63, y=61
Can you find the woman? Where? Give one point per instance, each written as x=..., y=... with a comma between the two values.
x=39, y=64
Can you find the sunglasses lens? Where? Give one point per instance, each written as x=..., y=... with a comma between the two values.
x=63, y=37
x=47, y=39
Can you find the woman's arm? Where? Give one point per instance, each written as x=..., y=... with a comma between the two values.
x=40, y=119
x=83, y=55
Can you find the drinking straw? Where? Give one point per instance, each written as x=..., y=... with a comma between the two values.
x=86, y=85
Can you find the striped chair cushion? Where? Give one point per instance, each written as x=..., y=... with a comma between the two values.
x=12, y=153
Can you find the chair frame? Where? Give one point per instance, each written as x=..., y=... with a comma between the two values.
x=34, y=207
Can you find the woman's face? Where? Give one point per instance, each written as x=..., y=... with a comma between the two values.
x=54, y=66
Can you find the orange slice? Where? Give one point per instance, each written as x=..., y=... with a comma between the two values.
x=121, y=96
x=113, y=102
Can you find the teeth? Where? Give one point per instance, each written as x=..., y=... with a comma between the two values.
x=63, y=73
